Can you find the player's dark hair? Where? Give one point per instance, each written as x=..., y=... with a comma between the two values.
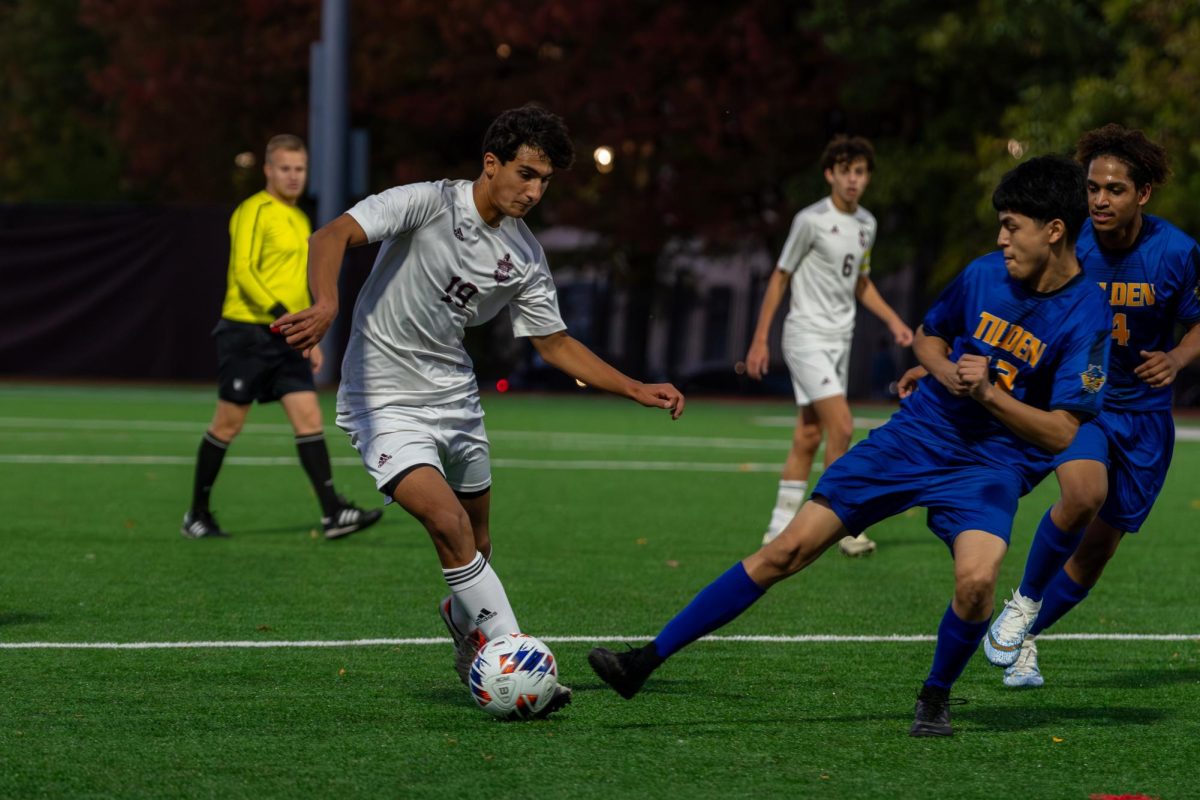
x=535, y=127
x=844, y=149
x=1146, y=160
x=1045, y=188
x=285, y=141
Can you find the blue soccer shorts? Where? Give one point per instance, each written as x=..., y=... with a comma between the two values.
x=907, y=463
x=1136, y=447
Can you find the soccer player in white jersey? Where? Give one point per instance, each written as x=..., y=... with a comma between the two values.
x=454, y=254
x=826, y=261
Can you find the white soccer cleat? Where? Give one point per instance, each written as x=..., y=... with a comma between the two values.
x=854, y=546
x=466, y=646
x=1002, y=645
x=771, y=536
x=1025, y=673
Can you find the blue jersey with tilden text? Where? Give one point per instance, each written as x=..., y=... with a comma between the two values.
x=1150, y=286
x=1050, y=350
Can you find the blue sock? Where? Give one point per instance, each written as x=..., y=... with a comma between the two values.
x=1062, y=595
x=717, y=604
x=1051, y=548
x=957, y=641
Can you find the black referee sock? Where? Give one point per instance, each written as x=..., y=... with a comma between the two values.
x=208, y=464
x=314, y=457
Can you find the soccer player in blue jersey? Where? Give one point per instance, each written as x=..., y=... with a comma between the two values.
x=1113, y=471
x=1017, y=350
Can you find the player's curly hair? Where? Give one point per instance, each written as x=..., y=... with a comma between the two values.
x=1147, y=160
x=535, y=127
x=844, y=149
x=1045, y=188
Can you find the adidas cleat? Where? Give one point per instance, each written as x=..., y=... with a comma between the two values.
x=1002, y=645
x=466, y=645
x=349, y=519
x=201, y=525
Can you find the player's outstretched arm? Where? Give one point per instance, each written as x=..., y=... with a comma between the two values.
x=933, y=353
x=758, y=358
x=1159, y=369
x=1050, y=430
x=326, y=250
x=568, y=354
x=870, y=297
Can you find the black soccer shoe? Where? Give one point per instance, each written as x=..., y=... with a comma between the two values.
x=201, y=525
x=349, y=519
x=560, y=700
x=932, y=716
x=625, y=672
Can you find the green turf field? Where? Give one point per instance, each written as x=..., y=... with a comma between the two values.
x=607, y=518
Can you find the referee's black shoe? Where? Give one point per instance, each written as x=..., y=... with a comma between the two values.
x=349, y=519
x=201, y=525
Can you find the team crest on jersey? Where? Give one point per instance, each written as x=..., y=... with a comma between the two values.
x=504, y=268
x=862, y=237
x=458, y=234
x=834, y=229
x=1093, y=378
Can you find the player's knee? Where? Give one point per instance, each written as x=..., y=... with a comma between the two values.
x=450, y=530
x=974, y=591
x=807, y=438
x=226, y=429
x=1080, y=504
x=842, y=431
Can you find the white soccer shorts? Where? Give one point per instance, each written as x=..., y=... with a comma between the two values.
x=449, y=437
x=817, y=373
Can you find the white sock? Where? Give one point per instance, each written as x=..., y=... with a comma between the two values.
x=463, y=619
x=479, y=591
x=787, y=503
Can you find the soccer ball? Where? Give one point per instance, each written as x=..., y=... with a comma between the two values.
x=513, y=676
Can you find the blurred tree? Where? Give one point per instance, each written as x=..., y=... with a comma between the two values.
x=1151, y=82
x=54, y=131
x=194, y=84
x=931, y=81
x=710, y=111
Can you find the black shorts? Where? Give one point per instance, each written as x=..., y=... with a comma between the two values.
x=255, y=364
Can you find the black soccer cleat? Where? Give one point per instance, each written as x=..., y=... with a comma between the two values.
x=349, y=519
x=560, y=700
x=625, y=672
x=201, y=525
x=932, y=716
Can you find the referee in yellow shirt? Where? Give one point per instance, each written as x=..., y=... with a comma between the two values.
x=268, y=277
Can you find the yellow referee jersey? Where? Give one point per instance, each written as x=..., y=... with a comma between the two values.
x=268, y=260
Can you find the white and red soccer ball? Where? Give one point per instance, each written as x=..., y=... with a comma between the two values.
x=513, y=676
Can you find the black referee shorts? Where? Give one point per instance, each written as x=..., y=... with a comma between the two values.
x=255, y=364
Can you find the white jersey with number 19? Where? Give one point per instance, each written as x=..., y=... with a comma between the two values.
x=826, y=252
x=441, y=269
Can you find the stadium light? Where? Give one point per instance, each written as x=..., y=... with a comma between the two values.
x=244, y=160
x=604, y=159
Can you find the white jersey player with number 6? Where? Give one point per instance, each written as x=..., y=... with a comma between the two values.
x=826, y=262
x=453, y=254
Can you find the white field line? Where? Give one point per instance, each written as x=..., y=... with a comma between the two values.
x=556, y=439
x=499, y=463
x=417, y=641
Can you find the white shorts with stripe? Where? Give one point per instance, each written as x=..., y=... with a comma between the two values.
x=451, y=438
x=817, y=373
